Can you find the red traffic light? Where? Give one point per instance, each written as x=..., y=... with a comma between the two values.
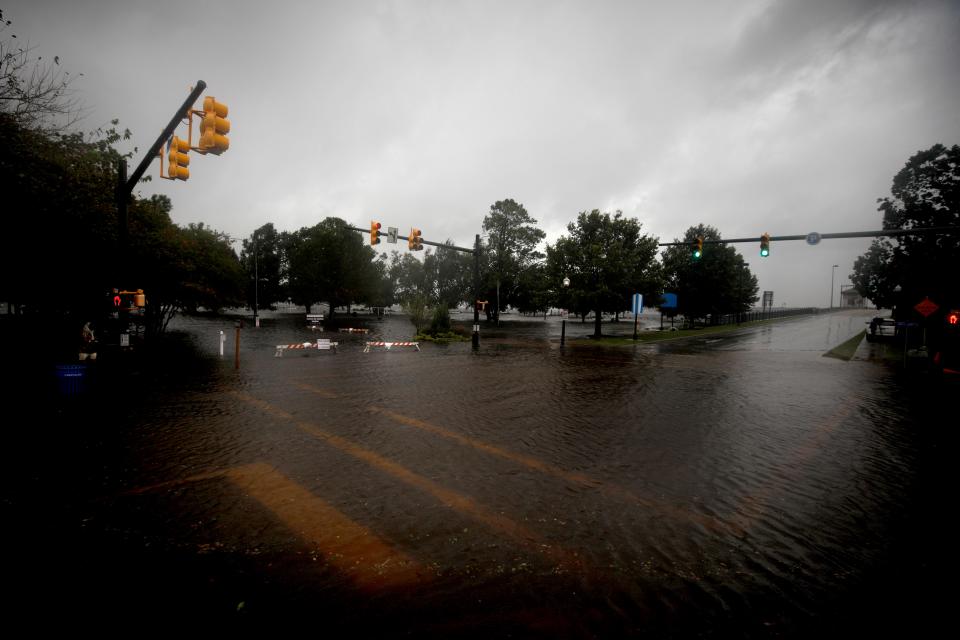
x=953, y=318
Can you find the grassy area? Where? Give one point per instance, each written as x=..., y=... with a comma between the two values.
x=846, y=350
x=442, y=338
x=662, y=336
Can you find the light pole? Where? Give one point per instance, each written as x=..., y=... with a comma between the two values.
x=563, y=321
x=832, y=271
x=740, y=300
x=256, y=285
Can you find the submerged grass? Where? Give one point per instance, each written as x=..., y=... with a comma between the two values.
x=662, y=336
x=845, y=350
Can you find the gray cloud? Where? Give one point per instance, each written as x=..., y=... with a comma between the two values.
x=785, y=117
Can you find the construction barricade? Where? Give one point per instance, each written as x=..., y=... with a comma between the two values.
x=389, y=345
x=322, y=344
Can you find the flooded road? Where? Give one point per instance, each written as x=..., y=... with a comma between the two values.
x=738, y=484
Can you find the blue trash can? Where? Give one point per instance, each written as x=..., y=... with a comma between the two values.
x=71, y=379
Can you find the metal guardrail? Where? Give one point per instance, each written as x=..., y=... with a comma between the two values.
x=753, y=316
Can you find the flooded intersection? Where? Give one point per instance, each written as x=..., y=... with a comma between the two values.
x=745, y=485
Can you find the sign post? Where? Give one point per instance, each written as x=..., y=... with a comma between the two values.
x=637, y=310
x=669, y=302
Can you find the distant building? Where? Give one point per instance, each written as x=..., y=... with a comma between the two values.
x=852, y=298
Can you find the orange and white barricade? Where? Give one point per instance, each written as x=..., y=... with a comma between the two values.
x=390, y=345
x=322, y=344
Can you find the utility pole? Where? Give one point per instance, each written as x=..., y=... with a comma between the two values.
x=476, y=292
x=832, y=272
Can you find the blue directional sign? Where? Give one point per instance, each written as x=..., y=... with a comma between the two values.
x=669, y=301
x=637, y=304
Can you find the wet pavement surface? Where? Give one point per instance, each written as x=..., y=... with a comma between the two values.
x=737, y=484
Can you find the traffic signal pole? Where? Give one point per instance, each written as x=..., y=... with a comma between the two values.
x=476, y=273
x=476, y=293
x=827, y=236
x=126, y=185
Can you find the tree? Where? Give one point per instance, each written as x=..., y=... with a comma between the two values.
x=262, y=260
x=716, y=283
x=448, y=276
x=34, y=93
x=408, y=277
x=59, y=254
x=329, y=263
x=384, y=293
x=871, y=277
x=535, y=292
x=512, y=239
x=604, y=256
x=925, y=193
x=180, y=269
x=64, y=233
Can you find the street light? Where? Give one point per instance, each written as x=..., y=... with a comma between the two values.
x=563, y=321
x=832, y=271
x=740, y=300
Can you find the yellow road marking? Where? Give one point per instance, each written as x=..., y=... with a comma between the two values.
x=160, y=486
x=458, y=501
x=323, y=393
x=708, y=522
x=349, y=547
x=527, y=461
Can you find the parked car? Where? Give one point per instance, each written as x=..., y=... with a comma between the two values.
x=882, y=330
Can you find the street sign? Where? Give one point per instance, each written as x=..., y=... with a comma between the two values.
x=392, y=235
x=767, y=300
x=813, y=238
x=669, y=301
x=637, y=310
x=926, y=306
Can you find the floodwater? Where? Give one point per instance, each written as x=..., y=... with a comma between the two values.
x=739, y=485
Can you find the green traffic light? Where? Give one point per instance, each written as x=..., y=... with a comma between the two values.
x=764, y=252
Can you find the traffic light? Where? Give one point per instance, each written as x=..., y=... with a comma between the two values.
x=414, y=241
x=374, y=233
x=213, y=127
x=953, y=318
x=765, y=245
x=698, y=248
x=178, y=159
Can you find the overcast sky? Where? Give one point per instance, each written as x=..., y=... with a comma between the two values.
x=762, y=115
